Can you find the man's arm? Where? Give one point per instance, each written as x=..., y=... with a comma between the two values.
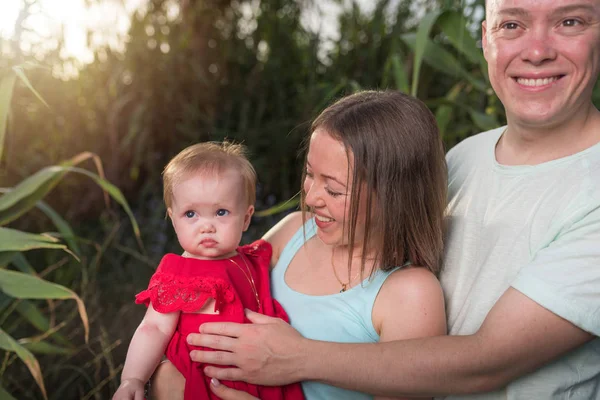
x=517, y=337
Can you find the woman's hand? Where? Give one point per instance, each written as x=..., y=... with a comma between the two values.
x=226, y=393
x=266, y=352
x=130, y=389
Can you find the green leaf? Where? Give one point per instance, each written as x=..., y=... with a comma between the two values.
x=443, y=61
x=30, y=312
x=28, y=192
x=63, y=227
x=4, y=395
x=9, y=344
x=7, y=84
x=116, y=194
x=23, y=265
x=19, y=72
x=7, y=257
x=45, y=347
x=15, y=240
x=443, y=114
x=24, y=286
x=453, y=24
x=483, y=121
x=278, y=208
x=398, y=72
x=421, y=40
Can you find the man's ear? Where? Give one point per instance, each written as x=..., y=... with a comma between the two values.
x=484, y=38
x=248, y=217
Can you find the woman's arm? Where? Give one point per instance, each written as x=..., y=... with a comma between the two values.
x=409, y=305
x=145, y=351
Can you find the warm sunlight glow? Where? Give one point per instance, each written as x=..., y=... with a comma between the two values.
x=70, y=20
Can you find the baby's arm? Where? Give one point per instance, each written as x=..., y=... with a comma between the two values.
x=145, y=352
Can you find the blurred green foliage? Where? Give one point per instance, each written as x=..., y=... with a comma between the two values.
x=247, y=70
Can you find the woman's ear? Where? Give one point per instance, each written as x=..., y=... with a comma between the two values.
x=248, y=217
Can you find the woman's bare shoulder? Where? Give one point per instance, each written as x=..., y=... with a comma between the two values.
x=414, y=296
x=282, y=232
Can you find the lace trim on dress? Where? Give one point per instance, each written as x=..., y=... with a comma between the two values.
x=169, y=293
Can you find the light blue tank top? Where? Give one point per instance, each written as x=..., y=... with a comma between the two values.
x=340, y=317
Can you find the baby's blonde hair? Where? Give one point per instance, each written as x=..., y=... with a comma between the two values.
x=209, y=157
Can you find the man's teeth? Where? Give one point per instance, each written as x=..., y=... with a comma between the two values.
x=323, y=219
x=536, y=82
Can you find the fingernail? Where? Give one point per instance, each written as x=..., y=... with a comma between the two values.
x=215, y=382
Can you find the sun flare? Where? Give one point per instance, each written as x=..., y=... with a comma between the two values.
x=70, y=20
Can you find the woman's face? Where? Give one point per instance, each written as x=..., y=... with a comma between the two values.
x=328, y=188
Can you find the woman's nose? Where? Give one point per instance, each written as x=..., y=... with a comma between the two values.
x=313, y=196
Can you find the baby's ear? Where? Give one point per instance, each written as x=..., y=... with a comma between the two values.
x=170, y=214
x=248, y=217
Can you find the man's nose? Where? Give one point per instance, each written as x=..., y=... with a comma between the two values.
x=539, y=47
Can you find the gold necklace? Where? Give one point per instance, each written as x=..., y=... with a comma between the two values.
x=344, y=285
x=248, y=277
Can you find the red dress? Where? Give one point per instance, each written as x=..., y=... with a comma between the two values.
x=184, y=284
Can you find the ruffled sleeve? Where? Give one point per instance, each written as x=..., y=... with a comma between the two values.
x=170, y=289
x=260, y=250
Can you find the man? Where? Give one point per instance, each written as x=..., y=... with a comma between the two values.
x=522, y=267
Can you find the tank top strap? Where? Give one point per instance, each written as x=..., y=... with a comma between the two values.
x=307, y=231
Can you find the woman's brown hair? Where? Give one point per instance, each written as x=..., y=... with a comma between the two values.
x=399, y=159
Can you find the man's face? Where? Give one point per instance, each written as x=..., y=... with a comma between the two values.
x=543, y=57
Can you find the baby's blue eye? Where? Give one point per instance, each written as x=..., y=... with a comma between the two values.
x=222, y=212
x=190, y=214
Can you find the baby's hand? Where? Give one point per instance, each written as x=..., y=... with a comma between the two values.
x=130, y=389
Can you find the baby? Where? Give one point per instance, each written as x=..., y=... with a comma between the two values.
x=209, y=191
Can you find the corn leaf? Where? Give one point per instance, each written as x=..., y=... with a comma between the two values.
x=42, y=347
x=4, y=395
x=9, y=344
x=31, y=313
x=420, y=46
x=28, y=192
x=15, y=240
x=63, y=227
x=278, y=208
x=7, y=84
x=453, y=24
x=443, y=61
x=24, y=286
x=19, y=72
x=443, y=114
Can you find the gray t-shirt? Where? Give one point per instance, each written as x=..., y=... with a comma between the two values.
x=537, y=229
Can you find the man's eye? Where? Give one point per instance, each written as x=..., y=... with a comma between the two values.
x=190, y=214
x=571, y=22
x=222, y=212
x=510, y=25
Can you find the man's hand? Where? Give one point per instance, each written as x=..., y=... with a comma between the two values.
x=130, y=389
x=266, y=352
x=226, y=393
